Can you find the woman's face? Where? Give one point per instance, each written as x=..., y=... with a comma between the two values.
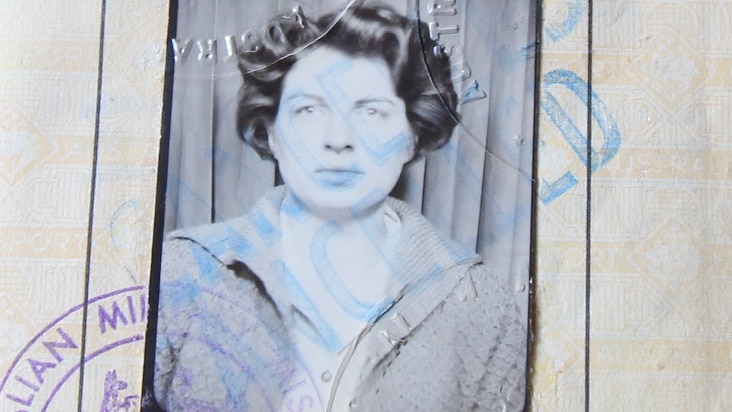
x=341, y=135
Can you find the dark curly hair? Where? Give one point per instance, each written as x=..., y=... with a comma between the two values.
x=422, y=79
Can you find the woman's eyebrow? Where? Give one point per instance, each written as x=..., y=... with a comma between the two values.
x=364, y=102
x=302, y=95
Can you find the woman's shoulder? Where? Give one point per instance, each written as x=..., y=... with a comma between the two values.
x=216, y=326
x=232, y=258
x=205, y=260
x=475, y=343
x=490, y=322
x=241, y=239
x=184, y=257
x=192, y=277
x=479, y=297
x=481, y=303
x=481, y=318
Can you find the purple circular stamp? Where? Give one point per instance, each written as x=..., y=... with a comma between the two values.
x=226, y=355
x=46, y=374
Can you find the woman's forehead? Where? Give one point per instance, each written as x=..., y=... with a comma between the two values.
x=335, y=74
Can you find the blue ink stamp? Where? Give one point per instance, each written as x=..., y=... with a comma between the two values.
x=352, y=169
x=572, y=132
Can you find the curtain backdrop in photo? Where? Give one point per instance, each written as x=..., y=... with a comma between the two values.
x=477, y=189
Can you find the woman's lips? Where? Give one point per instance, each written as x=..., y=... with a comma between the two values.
x=339, y=177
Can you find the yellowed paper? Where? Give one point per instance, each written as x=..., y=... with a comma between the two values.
x=659, y=330
x=59, y=153
x=660, y=205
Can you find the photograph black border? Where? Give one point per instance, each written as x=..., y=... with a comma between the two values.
x=148, y=403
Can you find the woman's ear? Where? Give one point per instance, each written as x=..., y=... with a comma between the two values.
x=411, y=148
x=273, y=141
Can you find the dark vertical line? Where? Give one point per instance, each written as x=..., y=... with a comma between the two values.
x=214, y=119
x=537, y=6
x=92, y=195
x=148, y=375
x=588, y=221
x=425, y=175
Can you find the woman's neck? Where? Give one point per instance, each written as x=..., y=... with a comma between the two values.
x=351, y=248
x=365, y=226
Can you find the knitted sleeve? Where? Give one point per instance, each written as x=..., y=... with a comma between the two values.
x=469, y=354
x=219, y=342
x=499, y=340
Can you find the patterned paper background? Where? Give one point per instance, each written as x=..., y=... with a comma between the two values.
x=658, y=328
x=78, y=158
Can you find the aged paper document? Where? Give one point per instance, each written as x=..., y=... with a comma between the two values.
x=80, y=112
x=632, y=249
x=633, y=269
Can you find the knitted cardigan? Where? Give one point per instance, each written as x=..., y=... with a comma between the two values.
x=451, y=342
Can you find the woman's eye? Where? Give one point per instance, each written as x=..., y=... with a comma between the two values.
x=305, y=110
x=371, y=111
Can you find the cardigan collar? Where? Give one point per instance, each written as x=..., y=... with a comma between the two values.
x=425, y=255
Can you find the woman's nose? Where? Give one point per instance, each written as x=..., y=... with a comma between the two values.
x=340, y=136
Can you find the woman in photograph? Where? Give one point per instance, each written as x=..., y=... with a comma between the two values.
x=329, y=294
